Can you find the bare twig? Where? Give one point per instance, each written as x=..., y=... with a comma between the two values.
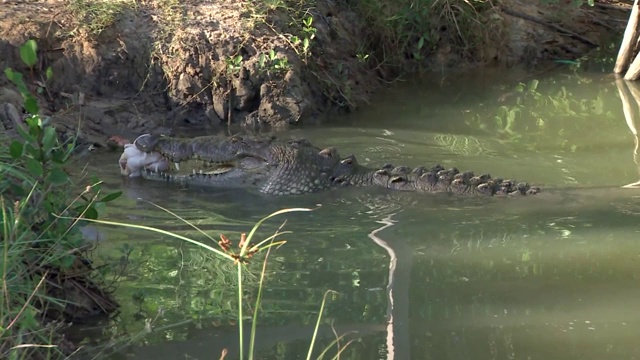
x=559, y=29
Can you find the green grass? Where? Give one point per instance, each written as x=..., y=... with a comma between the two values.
x=39, y=251
x=411, y=30
x=94, y=16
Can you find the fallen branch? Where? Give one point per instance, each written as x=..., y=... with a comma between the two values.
x=613, y=7
x=547, y=24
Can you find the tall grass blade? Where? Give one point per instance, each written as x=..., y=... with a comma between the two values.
x=157, y=230
x=254, y=322
x=315, y=330
x=336, y=341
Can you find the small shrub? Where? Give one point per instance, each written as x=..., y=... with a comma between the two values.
x=41, y=252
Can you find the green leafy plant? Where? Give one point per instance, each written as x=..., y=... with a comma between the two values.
x=37, y=246
x=309, y=34
x=234, y=64
x=302, y=45
x=272, y=64
x=362, y=57
x=417, y=54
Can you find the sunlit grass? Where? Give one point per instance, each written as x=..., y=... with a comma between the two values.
x=95, y=16
x=247, y=247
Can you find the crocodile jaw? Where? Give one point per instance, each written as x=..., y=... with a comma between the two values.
x=133, y=161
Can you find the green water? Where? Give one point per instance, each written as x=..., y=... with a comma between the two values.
x=549, y=277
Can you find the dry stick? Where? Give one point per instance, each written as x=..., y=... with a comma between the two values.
x=612, y=7
x=24, y=306
x=602, y=23
x=230, y=94
x=553, y=26
x=628, y=42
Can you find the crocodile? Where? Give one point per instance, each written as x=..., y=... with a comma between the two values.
x=285, y=167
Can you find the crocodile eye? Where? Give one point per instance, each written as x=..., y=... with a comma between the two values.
x=347, y=161
x=142, y=142
x=397, y=179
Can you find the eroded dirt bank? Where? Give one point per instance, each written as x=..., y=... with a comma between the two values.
x=140, y=66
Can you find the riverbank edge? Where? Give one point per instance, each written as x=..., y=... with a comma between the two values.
x=157, y=65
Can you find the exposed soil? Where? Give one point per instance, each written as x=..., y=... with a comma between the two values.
x=161, y=65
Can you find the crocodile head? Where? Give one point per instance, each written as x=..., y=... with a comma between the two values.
x=277, y=168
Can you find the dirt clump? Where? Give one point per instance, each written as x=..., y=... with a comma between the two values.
x=162, y=65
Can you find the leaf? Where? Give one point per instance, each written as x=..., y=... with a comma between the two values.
x=566, y=62
x=91, y=213
x=25, y=135
x=57, y=177
x=111, y=197
x=8, y=72
x=49, y=73
x=308, y=21
x=33, y=122
x=31, y=105
x=16, y=78
x=58, y=156
x=18, y=190
x=34, y=167
x=15, y=149
x=49, y=139
x=28, y=53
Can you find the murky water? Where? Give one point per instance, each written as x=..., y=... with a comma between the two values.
x=418, y=276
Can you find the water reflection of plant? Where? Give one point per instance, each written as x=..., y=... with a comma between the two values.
x=534, y=117
x=236, y=261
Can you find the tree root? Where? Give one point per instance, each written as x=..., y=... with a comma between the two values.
x=547, y=24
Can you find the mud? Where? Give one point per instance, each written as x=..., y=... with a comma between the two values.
x=163, y=66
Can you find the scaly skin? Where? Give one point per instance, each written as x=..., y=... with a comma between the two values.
x=296, y=166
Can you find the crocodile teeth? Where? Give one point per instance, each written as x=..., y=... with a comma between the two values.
x=177, y=165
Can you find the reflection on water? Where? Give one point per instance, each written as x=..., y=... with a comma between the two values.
x=547, y=277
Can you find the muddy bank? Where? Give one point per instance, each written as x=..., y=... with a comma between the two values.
x=158, y=66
